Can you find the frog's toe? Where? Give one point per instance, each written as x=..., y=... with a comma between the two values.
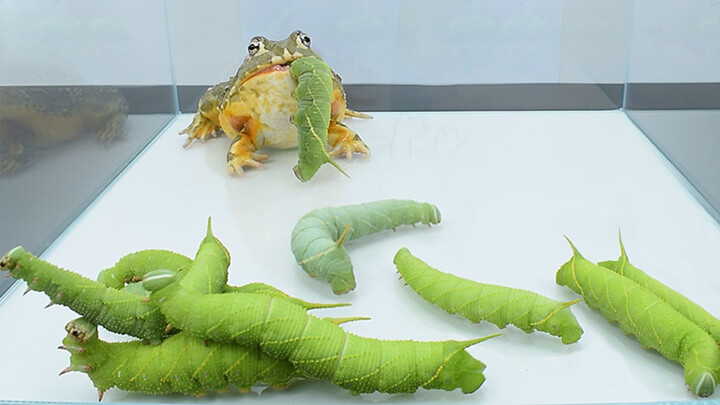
x=208, y=131
x=15, y=155
x=349, y=146
x=107, y=134
x=201, y=128
x=236, y=163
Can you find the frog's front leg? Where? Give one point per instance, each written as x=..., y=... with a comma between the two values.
x=243, y=147
x=201, y=128
x=343, y=140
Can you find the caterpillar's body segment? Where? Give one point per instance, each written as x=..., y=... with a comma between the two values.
x=262, y=288
x=314, y=94
x=318, y=348
x=180, y=364
x=120, y=311
x=125, y=310
x=499, y=305
x=318, y=237
x=689, y=309
x=651, y=320
x=208, y=272
x=132, y=267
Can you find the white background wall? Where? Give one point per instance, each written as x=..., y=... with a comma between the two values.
x=46, y=42
x=675, y=41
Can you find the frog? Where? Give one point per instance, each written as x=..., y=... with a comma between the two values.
x=255, y=108
x=33, y=118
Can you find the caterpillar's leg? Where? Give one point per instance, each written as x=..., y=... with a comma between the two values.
x=343, y=140
x=243, y=147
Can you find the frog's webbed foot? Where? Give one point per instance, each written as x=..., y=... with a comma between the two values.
x=242, y=153
x=201, y=128
x=356, y=114
x=14, y=154
x=345, y=141
x=112, y=129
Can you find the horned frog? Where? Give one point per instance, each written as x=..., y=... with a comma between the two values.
x=255, y=108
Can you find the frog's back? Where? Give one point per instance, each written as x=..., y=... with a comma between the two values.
x=52, y=115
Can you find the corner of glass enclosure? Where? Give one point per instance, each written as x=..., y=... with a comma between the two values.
x=673, y=88
x=84, y=87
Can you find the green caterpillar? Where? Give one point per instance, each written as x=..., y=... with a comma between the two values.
x=318, y=237
x=127, y=310
x=486, y=302
x=314, y=94
x=651, y=320
x=132, y=267
x=179, y=364
x=120, y=311
x=678, y=301
x=317, y=348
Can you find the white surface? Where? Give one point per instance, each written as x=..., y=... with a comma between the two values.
x=509, y=185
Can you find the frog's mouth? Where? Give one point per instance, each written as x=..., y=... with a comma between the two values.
x=283, y=67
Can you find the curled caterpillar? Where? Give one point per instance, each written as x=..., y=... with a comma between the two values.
x=654, y=323
x=318, y=237
x=317, y=348
x=499, y=305
x=689, y=309
x=132, y=267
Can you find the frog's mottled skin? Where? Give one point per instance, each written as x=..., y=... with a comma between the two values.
x=43, y=117
x=255, y=108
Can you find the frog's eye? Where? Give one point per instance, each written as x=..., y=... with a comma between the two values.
x=254, y=46
x=304, y=39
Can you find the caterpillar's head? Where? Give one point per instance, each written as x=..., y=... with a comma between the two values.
x=85, y=354
x=10, y=259
x=158, y=279
x=81, y=330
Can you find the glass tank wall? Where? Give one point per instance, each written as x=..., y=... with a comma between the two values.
x=673, y=88
x=420, y=55
x=84, y=86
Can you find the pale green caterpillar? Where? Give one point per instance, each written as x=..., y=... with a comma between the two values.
x=678, y=301
x=318, y=237
x=651, y=320
x=314, y=94
x=477, y=302
x=317, y=348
